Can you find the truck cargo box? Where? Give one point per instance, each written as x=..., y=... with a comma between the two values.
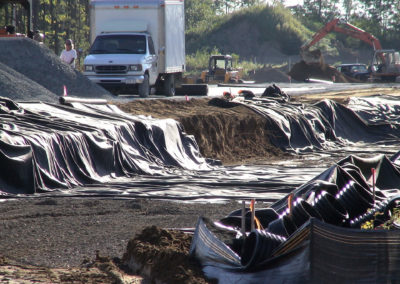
x=162, y=19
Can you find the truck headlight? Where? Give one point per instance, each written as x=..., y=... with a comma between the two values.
x=89, y=68
x=136, y=67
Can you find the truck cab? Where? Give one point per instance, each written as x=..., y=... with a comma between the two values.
x=123, y=62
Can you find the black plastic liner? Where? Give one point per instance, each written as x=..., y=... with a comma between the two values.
x=329, y=125
x=45, y=146
x=85, y=148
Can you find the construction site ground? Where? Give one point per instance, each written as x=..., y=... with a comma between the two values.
x=73, y=240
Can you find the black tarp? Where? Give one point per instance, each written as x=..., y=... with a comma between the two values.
x=329, y=125
x=93, y=149
x=47, y=146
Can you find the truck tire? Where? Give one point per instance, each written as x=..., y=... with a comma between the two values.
x=169, y=85
x=144, y=88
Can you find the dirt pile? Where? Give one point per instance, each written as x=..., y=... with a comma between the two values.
x=31, y=71
x=100, y=270
x=302, y=71
x=231, y=133
x=163, y=255
x=269, y=74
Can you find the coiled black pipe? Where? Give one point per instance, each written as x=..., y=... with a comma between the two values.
x=355, y=199
x=379, y=214
x=258, y=247
x=302, y=211
x=283, y=226
x=330, y=209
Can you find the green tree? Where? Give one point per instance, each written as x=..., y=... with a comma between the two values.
x=249, y=3
x=383, y=13
x=198, y=12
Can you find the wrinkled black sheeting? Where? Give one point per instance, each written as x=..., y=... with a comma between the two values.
x=328, y=124
x=60, y=161
x=45, y=147
x=317, y=253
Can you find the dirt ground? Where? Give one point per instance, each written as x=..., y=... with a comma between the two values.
x=74, y=240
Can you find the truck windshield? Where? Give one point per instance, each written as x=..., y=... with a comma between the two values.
x=119, y=44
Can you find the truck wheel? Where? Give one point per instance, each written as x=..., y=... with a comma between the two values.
x=169, y=85
x=144, y=88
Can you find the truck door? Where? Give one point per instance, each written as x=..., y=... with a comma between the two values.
x=154, y=62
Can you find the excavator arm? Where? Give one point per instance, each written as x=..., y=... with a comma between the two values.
x=333, y=26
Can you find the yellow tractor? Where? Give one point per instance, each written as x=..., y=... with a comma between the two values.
x=220, y=70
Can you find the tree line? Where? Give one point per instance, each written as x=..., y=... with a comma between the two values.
x=62, y=19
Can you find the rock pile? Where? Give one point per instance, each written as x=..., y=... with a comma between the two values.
x=31, y=71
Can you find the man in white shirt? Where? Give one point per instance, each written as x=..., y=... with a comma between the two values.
x=68, y=55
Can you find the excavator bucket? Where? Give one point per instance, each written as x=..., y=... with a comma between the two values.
x=312, y=56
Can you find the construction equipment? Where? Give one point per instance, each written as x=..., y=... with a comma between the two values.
x=9, y=30
x=385, y=63
x=385, y=66
x=220, y=70
x=336, y=25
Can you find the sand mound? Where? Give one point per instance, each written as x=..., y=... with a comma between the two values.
x=31, y=61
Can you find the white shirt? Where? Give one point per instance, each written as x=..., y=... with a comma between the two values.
x=67, y=56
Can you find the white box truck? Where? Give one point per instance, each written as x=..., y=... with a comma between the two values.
x=136, y=45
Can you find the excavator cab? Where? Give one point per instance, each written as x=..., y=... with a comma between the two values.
x=385, y=65
x=220, y=69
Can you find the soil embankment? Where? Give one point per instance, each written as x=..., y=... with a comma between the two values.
x=234, y=134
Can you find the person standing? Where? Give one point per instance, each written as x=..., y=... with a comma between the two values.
x=68, y=55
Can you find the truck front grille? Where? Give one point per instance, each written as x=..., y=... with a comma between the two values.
x=116, y=69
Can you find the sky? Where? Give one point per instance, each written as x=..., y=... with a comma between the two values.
x=293, y=2
x=290, y=2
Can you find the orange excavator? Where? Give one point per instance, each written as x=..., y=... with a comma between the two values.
x=336, y=25
x=385, y=62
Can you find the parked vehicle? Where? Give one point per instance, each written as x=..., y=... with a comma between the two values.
x=358, y=71
x=136, y=45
